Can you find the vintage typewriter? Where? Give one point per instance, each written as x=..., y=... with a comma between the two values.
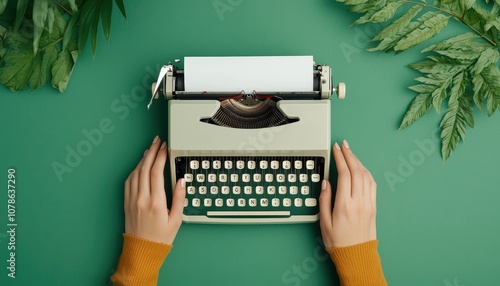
x=252, y=145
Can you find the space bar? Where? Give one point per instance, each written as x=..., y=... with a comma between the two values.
x=248, y=213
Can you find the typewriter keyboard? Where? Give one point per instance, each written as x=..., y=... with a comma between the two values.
x=247, y=187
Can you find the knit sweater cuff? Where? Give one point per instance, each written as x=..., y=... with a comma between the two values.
x=140, y=261
x=358, y=265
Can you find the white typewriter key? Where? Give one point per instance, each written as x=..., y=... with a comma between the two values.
x=202, y=190
x=287, y=202
x=280, y=178
x=228, y=164
x=282, y=190
x=194, y=164
x=225, y=190
x=263, y=202
x=214, y=190
x=245, y=178
x=292, y=178
x=252, y=202
x=200, y=178
x=310, y=164
x=275, y=165
x=269, y=178
x=297, y=202
x=212, y=178
x=196, y=202
x=271, y=190
x=304, y=190
x=240, y=164
x=205, y=164
x=247, y=190
x=263, y=164
x=294, y=190
x=275, y=202
x=303, y=178
x=298, y=164
x=222, y=178
x=236, y=190
x=259, y=190
x=230, y=202
x=218, y=202
x=257, y=177
x=186, y=202
x=251, y=165
x=286, y=164
x=207, y=202
x=188, y=178
x=310, y=202
x=216, y=164
x=315, y=178
x=234, y=178
x=241, y=202
x=191, y=190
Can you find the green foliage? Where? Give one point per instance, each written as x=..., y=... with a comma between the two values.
x=461, y=72
x=44, y=39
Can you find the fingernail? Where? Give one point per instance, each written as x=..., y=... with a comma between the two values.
x=145, y=151
x=345, y=144
x=337, y=146
x=183, y=183
x=323, y=185
x=156, y=139
x=163, y=145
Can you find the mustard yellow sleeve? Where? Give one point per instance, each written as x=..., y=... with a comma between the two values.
x=358, y=265
x=140, y=262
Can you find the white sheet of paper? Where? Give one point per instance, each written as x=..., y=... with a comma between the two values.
x=261, y=74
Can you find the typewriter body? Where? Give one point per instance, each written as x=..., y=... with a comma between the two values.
x=248, y=156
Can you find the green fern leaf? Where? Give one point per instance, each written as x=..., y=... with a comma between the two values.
x=353, y=2
x=72, y=4
x=389, y=43
x=486, y=58
x=380, y=16
x=429, y=25
x=459, y=40
x=486, y=86
x=40, y=13
x=399, y=24
x=63, y=67
x=459, y=114
x=17, y=68
x=440, y=94
x=418, y=107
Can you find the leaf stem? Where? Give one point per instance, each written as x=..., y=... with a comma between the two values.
x=461, y=19
x=51, y=44
x=62, y=7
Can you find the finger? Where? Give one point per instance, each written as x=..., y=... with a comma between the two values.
x=145, y=169
x=344, y=177
x=157, y=178
x=134, y=186
x=356, y=170
x=127, y=193
x=325, y=205
x=178, y=201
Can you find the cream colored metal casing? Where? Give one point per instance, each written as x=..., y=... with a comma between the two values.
x=188, y=136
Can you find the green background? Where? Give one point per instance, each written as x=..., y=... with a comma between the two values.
x=438, y=224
